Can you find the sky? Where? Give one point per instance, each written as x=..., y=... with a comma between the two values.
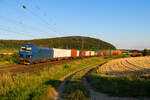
x=124, y=23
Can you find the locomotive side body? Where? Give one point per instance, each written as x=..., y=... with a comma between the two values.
x=41, y=54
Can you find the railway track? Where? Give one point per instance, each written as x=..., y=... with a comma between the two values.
x=23, y=68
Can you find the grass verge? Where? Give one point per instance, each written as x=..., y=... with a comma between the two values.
x=41, y=83
x=8, y=59
x=122, y=86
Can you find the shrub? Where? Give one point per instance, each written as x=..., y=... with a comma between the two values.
x=67, y=66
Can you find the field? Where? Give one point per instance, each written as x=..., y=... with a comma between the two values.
x=138, y=65
x=125, y=77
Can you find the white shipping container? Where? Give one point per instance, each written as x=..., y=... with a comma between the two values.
x=92, y=53
x=61, y=53
x=78, y=53
x=87, y=53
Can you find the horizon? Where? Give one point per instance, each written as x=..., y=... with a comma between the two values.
x=125, y=24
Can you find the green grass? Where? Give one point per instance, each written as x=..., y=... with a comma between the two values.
x=123, y=86
x=40, y=84
x=74, y=88
x=8, y=59
x=33, y=85
x=4, y=63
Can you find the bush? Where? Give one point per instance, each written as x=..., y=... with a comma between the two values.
x=146, y=52
x=10, y=59
x=1, y=55
x=67, y=66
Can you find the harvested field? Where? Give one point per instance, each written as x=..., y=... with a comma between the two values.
x=125, y=77
x=137, y=65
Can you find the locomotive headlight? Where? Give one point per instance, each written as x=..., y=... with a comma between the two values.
x=30, y=56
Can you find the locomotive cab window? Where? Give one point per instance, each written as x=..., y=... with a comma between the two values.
x=26, y=49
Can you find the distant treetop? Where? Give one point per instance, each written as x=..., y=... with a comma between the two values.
x=71, y=42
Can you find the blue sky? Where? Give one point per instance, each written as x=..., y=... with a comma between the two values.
x=124, y=23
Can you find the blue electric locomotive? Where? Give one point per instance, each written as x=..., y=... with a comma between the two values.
x=32, y=54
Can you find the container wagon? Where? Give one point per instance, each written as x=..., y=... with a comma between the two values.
x=33, y=54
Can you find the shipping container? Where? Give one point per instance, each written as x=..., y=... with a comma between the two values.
x=96, y=54
x=124, y=53
x=87, y=53
x=61, y=53
x=99, y=53
x=105, y=53
x=134, y=53
x=74, y=53
x=78, y=53
x=114, y=53
x=121, y=53
x=92, y=53
x=109, y=54
x=82, y=53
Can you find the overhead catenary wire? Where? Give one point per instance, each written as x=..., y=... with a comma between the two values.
x=19, y=33
x=7, y=27
x=40, y=18
x=22, y=24
x=18, y=2
x=37, y=6
x=34, y=14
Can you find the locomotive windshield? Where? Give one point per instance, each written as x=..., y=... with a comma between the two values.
x=25, y=49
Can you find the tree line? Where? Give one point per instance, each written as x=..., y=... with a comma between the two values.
x=71, y=42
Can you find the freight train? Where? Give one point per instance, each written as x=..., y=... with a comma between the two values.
x=30, y=54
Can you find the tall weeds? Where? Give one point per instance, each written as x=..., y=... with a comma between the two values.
x=38, y=84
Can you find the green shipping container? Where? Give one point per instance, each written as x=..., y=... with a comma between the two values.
x=109, y=53
x=95, y=53
x=130, y=53
x=124, y=53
